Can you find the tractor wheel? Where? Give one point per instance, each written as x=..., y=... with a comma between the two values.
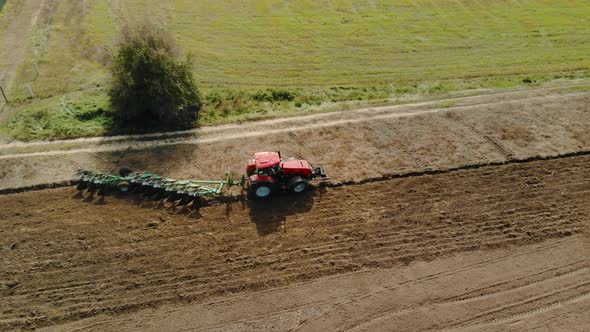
x=261, y=190
x=124, y=171
x=297, y=185
x=123, y=186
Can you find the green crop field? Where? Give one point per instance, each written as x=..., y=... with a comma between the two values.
x=321, y=50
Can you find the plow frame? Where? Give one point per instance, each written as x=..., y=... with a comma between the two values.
x=156, y=186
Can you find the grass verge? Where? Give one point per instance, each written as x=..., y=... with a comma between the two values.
x=86, y=114
x=68, y=116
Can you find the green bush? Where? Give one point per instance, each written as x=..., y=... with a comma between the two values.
x=274, y=95
x=152, y=89
x=213, y=98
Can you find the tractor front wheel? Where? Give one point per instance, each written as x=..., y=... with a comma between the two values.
x=261, y=190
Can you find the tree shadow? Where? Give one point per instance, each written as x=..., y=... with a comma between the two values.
x=161, y=160
x=270, y=215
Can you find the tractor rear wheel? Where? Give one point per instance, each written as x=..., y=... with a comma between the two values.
x=297, y=184
x=261, y=190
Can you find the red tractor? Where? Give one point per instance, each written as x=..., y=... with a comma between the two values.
x=267, y=173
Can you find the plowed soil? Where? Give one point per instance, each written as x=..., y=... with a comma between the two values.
x=476, y=248
x=67, y=257
x=533, y=288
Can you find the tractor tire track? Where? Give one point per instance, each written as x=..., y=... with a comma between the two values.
x=493, y=290
x=570, y=294
x=508, y=155
x=382, y=318
x=14, y=49
x=470, y=147
x=333, y=304
x=574, y=299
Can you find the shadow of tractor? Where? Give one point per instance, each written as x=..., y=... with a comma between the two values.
x=270, y=215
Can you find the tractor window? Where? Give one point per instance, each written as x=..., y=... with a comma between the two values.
x=268, y=171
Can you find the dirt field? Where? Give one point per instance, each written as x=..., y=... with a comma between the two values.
x=542, y=293
x=486, y=248
x=475, y=249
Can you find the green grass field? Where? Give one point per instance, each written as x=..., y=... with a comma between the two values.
x=321, y=50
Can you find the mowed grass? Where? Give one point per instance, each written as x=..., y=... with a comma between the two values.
x=326, y=43
x=322, y=51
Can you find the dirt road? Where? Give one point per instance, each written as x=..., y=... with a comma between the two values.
x=65, y=258
x=352, y=145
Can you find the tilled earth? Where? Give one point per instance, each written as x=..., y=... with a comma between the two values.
x=491, y=247
x=65, y=257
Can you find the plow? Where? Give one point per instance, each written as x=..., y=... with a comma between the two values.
x=267, y=173
x=149, y=185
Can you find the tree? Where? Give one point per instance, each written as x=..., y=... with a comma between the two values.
x=152, y=89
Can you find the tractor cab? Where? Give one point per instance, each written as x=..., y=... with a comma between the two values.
x=267, y=172
x=264, y=163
